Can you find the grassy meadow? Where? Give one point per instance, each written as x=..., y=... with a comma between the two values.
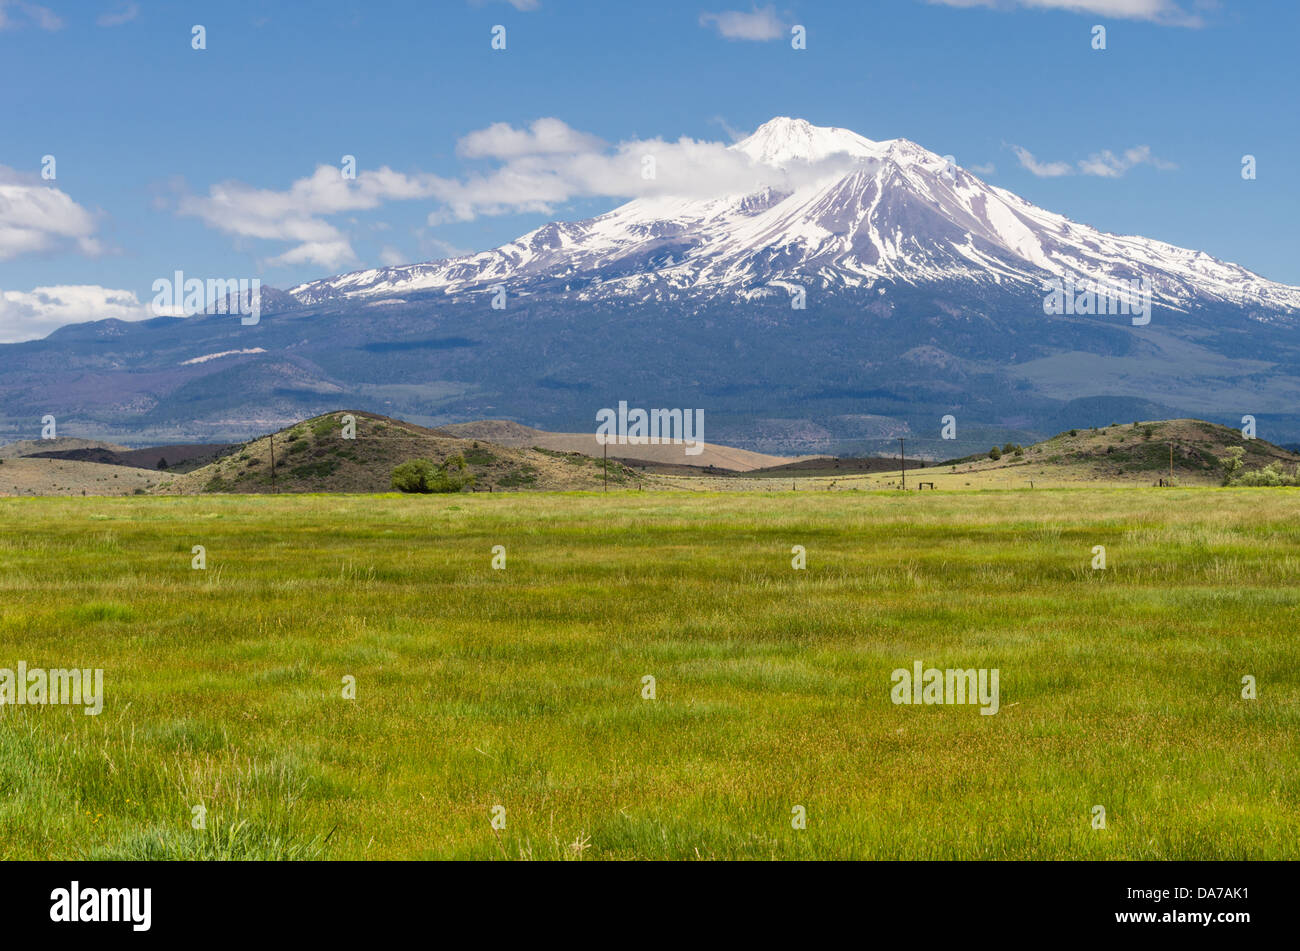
x=522, y=687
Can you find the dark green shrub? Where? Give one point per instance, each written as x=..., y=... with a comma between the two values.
x=422, y=476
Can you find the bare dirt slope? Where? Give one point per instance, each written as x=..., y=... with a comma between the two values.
x=178, y=458
x=505, y=433
x=30, y=447
x=36, y=476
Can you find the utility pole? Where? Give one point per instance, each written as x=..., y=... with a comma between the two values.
x=902, y=462
x=1171, y=463
x=273, y=489
x=605, y=445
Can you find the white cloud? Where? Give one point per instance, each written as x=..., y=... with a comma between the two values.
x=16, y=13
x=430, y=248
x=760, y=24
x=517, y=4
x=1108, y=165
x=125, y=13
x=35, y=217
x=31, y=315
x=1104, y=164
x=686, y=168
x=534, y=169
x=545, y=137
x=298, y=215
x=1041, y=169
x=435, y=249
x=1168, y=12
x=734, y=134
x=328, y=254
x=389, y=256
x=988, y=169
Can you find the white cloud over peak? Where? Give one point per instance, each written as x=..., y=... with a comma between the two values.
x=389, y=256
x=639, y=168
x=531, y=169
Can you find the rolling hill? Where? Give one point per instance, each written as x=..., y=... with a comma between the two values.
x=1141, y=451
x=313, y=456
x=1121, y=454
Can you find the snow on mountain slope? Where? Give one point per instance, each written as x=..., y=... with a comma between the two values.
x=842, y=210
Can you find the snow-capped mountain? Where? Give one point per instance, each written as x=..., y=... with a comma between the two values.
x=925, y=292
x=836, y=210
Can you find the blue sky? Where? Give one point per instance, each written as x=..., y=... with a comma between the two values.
x=210, y=161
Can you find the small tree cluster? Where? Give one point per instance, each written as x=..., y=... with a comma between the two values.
x=1235, y=473
x=423, y=476
x=1271, y=474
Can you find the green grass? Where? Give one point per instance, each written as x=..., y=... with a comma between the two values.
x=522, y=687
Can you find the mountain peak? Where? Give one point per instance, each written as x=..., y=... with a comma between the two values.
x=783, y=140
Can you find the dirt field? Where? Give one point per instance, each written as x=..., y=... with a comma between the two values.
x=26, y=476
